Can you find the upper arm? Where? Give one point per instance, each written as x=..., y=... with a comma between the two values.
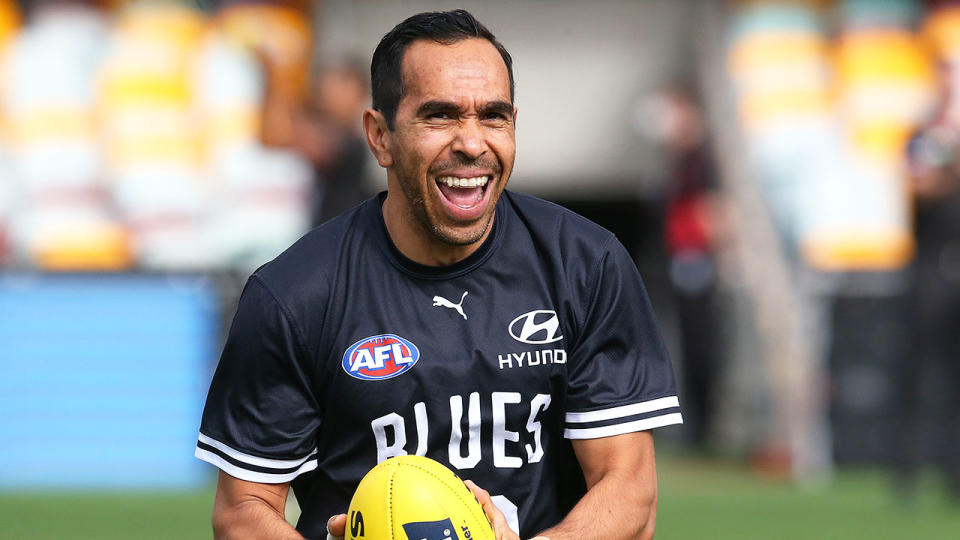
x=629, y=456
x=261, y=414
x=621, y=475
x=620, y=379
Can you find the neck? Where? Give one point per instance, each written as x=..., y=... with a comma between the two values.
x=416, y=242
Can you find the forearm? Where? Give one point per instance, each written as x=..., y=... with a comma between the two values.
x=616, y=507
x=251, y=519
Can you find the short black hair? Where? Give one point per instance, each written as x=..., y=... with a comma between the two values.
x=446, y=27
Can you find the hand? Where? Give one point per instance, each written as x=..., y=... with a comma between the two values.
x=337, y=527
x=501, y=530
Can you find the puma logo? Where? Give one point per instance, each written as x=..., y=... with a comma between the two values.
x=443, y=302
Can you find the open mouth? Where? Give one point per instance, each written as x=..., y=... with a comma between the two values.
x=463, y=193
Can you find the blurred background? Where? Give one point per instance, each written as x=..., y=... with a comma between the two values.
x=785, y=173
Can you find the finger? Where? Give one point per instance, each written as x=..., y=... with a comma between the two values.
x=501, y=529
x=483, y=497
x=498, y=521
x=478, y=492
x=337, y=526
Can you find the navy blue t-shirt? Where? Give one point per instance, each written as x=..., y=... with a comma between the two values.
x=343, y=353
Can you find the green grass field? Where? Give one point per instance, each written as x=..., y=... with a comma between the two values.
x=703, y=500
x=698, y=500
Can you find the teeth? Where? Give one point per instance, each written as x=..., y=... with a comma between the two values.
x=453, y=181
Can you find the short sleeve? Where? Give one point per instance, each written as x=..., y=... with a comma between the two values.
x=619, y=376
x=261, y=416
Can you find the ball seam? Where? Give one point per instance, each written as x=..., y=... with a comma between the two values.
x=390, y=502
x=444, y=482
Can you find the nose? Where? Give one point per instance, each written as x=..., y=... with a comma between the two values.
x=470, y=141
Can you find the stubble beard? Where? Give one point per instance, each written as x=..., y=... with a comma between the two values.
x=417, y=206
x=431, y=226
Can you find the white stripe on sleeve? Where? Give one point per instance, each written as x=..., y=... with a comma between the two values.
x=623, y=410
x=626, y=427
x=255, y=460
x=252, y=476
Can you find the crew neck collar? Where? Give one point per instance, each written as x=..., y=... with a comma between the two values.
x=425, y=271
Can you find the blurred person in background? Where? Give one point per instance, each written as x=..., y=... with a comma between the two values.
x=934, y=175
x=279, y=33
x=690, y=232
x=329, y=134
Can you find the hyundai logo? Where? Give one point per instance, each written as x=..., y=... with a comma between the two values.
x=536, y=327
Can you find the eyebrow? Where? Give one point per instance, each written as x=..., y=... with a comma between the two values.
x=437, y=106
x=500, y=107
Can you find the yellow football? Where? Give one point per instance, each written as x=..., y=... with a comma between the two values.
x=415, y=498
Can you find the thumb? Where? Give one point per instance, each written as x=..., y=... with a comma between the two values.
x=336, y=527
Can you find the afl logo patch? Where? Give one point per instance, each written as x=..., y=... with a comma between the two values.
x=380, y=357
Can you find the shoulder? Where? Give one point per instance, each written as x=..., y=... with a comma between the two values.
x=305, y=271
x=560, y=227
x=577, y=257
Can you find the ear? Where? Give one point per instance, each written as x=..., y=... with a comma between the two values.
x=378, y=137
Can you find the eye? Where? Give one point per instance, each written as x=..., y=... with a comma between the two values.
x=494, y=116
x=439, y=115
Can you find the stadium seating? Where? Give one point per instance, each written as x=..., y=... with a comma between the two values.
x=826, y=121
x=135, y=139
x=61, y=218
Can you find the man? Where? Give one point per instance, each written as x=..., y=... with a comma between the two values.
x=499, y=334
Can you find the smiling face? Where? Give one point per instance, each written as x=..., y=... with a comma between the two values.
x=451, y=151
